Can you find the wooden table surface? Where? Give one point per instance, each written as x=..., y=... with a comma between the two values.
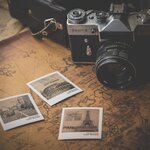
x=126, y=117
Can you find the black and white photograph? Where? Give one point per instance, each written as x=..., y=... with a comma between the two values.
x=54, y=87
x=18, y=110
x=81, y=123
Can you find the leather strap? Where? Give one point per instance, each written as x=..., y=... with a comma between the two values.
x=50, y=25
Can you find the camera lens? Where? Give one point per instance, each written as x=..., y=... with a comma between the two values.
x=76, y=16
x=113, y=67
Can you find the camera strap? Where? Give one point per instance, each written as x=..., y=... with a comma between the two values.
x=50, y=25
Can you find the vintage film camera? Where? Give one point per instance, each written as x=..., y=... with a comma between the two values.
x=116, y=41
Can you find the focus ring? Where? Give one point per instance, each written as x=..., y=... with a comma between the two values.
x=113, y=67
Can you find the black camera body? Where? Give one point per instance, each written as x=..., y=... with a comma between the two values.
x=114, y=40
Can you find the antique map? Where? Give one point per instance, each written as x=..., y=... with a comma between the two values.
x=126, y=119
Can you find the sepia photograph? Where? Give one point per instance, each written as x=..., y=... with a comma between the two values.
x=18, y=110
x=54, y=87
x=81, y=123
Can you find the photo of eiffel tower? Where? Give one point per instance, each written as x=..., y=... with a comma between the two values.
x=87, y=124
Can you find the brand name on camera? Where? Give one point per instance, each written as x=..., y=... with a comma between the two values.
x=79, y=30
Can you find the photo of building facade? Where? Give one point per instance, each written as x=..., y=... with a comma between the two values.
x=16, y=108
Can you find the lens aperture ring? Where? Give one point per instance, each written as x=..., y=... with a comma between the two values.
x=114, y=48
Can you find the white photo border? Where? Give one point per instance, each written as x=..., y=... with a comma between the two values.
x=81, y=135
x=59, y=97
x=23, y=121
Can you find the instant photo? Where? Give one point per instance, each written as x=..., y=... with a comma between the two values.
x=18, y=110
x=53, y=88
x=81, y=123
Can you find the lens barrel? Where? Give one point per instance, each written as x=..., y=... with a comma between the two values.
x=113, y=67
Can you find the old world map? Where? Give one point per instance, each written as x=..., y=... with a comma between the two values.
x=126, y=119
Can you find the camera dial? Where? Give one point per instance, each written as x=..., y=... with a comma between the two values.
x=144, y=16
x=146, y=19
x=101, y=16
x=76, y=16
